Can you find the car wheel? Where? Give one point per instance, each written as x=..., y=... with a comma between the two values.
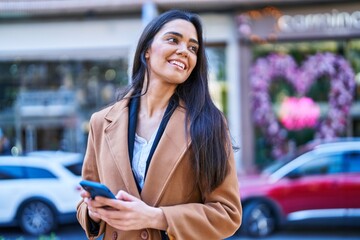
x=36, y=218
x=258, y=220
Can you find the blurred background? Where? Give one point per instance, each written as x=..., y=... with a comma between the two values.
x=286, y=74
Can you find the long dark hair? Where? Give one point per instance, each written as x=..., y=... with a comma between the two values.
x=208, y=130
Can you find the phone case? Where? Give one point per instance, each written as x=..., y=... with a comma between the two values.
x=97, y=189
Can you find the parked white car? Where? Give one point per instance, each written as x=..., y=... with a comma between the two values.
x=38, y=192
x=71, y=160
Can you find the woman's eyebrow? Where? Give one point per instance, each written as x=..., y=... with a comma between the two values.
x=180, y=35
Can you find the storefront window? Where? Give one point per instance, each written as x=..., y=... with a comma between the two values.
x=281, y=90
x=59, y=95
x=93, y=81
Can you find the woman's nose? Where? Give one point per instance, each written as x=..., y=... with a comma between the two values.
x=182, y=50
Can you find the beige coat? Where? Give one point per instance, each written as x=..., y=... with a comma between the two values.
x=169, y=183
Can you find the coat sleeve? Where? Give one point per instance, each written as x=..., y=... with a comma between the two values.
x=217, y=218
x=89, y=172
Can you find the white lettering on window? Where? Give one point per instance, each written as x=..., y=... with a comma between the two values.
x=333, y=20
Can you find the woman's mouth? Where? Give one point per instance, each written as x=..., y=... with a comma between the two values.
x=178, y=64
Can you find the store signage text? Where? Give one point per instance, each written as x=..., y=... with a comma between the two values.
x=334, y=20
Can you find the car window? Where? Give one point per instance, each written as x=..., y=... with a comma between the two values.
x=34, y=172
x=75, y=168
x=274, y=167
x=283, y=161
x=11, y=172
x=352, y=160
x=322, y=165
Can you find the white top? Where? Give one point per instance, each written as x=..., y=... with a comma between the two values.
x=140, y=155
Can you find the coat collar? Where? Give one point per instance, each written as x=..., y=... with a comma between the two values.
x=171, y=147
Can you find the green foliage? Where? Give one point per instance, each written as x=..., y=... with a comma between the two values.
x=52, y=236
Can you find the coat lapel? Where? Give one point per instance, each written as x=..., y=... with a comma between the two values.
x=116, y=135
x=172, y=145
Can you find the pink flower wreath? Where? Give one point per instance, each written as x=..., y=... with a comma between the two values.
x=269, y=68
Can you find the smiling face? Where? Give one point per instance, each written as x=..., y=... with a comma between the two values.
x=172, y=55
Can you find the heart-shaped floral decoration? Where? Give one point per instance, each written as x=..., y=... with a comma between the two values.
x=267, y=69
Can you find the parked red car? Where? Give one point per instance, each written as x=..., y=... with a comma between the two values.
x=317, y=186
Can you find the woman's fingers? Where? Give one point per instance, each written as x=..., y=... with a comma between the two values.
x=84, y=194
x=122, y=195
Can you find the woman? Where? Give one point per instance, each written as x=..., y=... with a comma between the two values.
x=163, y=148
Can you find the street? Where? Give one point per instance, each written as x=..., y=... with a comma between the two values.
x=74, y=232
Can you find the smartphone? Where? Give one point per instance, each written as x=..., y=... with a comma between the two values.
x=97, y=189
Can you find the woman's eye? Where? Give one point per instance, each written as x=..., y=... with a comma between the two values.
x=172, y=40
x=193, y=49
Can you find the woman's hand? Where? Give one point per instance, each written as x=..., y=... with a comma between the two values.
x=126, y=213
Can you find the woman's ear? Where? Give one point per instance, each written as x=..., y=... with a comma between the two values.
x=147, y=55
